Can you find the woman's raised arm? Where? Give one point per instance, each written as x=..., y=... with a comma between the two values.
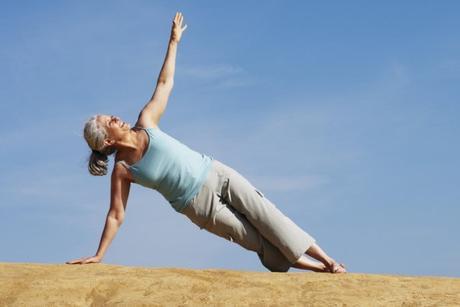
x=154, y=109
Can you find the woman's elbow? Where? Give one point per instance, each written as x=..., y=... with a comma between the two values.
x=118, y=217
x=166, y=83
x=120, y=220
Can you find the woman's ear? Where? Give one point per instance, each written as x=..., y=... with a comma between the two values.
x=108, y=142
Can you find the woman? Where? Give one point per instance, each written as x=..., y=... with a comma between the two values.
x=212, y=195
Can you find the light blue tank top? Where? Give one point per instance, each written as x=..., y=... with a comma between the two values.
x=171, y=168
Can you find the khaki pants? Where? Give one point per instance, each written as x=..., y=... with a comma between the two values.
x=229, y=206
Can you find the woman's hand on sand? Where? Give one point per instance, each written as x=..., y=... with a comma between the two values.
x=86, y=260
x=177, y=29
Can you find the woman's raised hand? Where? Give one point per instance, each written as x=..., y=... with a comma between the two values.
x=177, y=29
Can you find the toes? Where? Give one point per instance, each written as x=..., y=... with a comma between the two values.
x=337, y=268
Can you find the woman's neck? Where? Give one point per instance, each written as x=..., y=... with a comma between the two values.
x=133, y=141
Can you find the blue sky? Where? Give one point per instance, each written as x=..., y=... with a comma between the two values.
x=345, y=114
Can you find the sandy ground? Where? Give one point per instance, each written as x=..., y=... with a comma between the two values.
x=23, y=284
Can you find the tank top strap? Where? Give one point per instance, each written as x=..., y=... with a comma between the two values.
x=123, y=162
x=139, y=128
x=149, y=130
x=143, y=128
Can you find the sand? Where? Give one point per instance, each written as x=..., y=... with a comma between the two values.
x=23, y=284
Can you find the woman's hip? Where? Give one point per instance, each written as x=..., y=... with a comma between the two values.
x=202, y=207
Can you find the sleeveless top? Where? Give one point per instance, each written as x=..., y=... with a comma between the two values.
x=171, y=168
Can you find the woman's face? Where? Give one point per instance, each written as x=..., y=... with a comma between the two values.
x=113, y=125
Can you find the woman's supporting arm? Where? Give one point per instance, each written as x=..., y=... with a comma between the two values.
x=154, y=109
x=120, y=186
x=119, y=193
x=112, y=224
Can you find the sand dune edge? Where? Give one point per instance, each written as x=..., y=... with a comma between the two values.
x=102, y=284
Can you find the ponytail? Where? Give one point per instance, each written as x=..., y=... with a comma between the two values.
x=98, y=163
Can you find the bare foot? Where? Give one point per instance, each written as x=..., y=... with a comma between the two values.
x=321, y=269
x=336, y=268
x=324, y=269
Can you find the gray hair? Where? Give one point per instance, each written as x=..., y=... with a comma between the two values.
x=95, y=135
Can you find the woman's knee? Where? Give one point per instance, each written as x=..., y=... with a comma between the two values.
x=275, y=264
x=272, y=258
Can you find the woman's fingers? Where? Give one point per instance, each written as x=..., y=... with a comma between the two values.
x=85, y=260
x=76, y=261
x=178, y=19
x=177, y=28
x=181, y=19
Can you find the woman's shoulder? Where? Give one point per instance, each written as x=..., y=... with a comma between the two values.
x=120, y=157
x=127, y=158
x=121, y=170
x=145, y=125
x=151, y=132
